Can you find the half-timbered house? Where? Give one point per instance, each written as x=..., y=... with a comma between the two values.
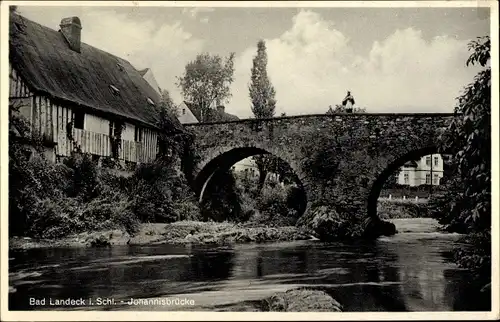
x=80, y=98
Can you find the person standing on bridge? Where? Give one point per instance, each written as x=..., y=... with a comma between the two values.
x=348, y=102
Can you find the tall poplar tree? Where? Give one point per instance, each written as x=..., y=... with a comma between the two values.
x=262, y=95
x=261, y=90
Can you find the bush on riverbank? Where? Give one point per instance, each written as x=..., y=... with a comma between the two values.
x=398, y=209
x=466, y=204
x=272, y=206
x=159, y=193
x=52, y=200
x=327, y=224
x=55, y=200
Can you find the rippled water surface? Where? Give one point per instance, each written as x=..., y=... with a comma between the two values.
x=411, y=271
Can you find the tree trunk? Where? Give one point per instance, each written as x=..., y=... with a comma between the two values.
x=262, y=177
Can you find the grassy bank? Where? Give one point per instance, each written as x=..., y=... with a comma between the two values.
x=401, y=209
x=181, y=232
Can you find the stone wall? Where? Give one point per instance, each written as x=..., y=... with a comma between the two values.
x=368, y=148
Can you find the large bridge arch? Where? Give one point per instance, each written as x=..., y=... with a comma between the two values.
x=223, y=158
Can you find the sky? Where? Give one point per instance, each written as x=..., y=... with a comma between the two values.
x=391, y=59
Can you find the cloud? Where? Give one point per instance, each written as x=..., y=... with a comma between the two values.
x=312, y=65
x=164, y=48
x=195, y=11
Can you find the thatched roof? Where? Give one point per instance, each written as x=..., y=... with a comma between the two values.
x=82, y=80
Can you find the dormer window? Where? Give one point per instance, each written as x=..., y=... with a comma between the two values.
x=150, y=102
x=114, y=89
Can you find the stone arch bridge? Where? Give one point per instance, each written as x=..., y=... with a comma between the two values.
x=370, y=147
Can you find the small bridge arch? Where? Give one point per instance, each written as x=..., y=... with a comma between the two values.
x=392, y=166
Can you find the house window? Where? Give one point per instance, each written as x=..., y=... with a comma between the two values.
x=436, y=179
x=428, y=178
x=183, y=111
x=406, y=177
x=79, y=120
x=138, y=134
x=428, y=160
x=436, y=161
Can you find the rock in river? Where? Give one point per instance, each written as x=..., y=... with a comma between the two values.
x=302, y=300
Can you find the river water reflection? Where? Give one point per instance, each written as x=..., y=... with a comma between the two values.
x=411, y=271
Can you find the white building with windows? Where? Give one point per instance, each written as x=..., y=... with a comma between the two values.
x=428, y=170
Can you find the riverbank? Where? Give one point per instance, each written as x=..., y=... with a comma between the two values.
x=402, y=208
x=182, y=232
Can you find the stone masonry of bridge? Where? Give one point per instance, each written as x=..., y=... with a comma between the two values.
x=385, y=142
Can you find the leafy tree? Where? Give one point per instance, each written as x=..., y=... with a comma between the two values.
x=159, y=193
x=167, y=106
x=206, y=81
x=466, y=207
x=469, y=138
x=261, y=90
x=169, y=143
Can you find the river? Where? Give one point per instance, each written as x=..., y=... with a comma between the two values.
x=411, y=271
